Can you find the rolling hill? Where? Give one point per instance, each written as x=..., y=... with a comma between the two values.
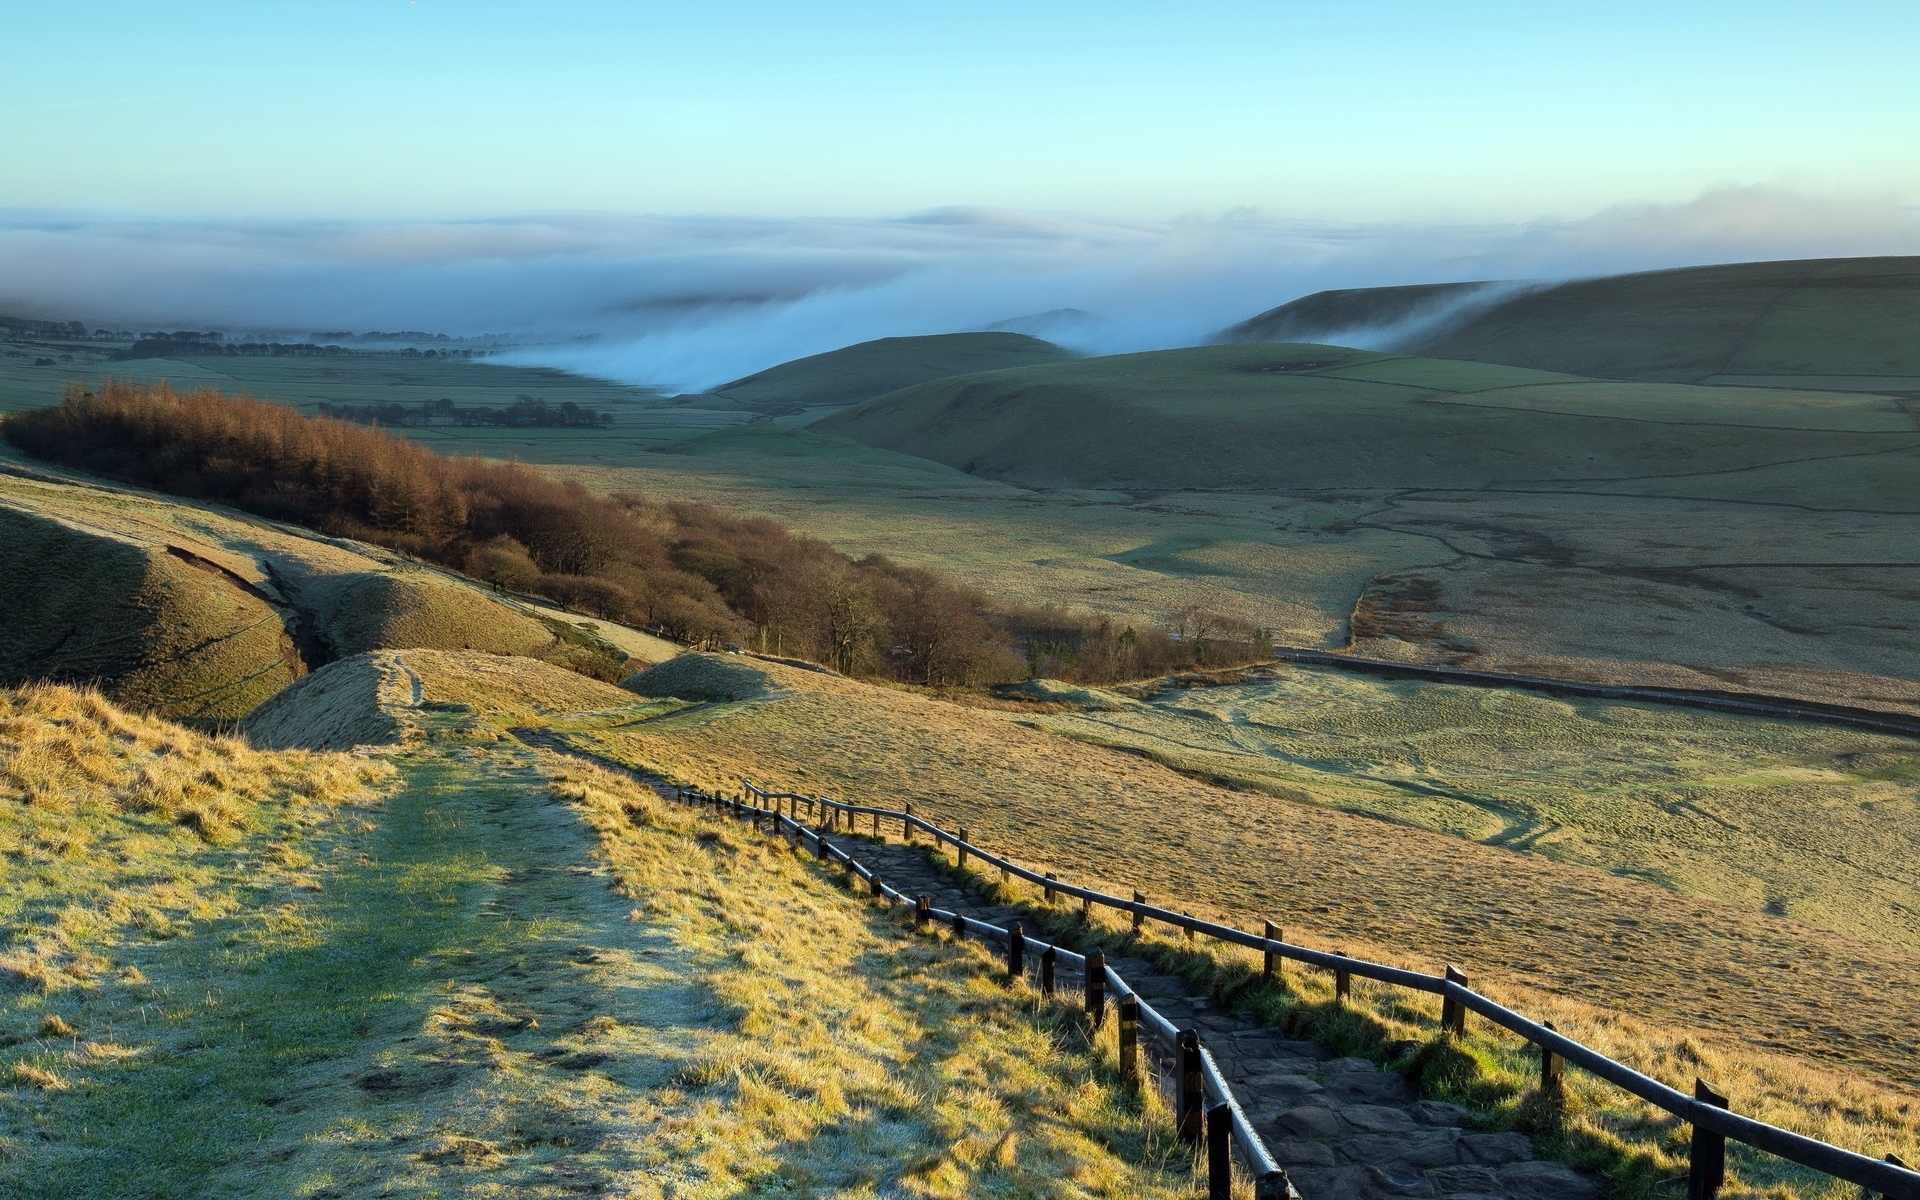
x=1850, y=323
x=201, y=613
x=868, y=369
x=1291, y=416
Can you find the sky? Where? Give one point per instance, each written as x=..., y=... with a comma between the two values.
x=755, y=177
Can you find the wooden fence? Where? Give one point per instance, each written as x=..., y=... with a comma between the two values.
x=1205, y=1106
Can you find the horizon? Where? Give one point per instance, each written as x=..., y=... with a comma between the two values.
x=703, y=195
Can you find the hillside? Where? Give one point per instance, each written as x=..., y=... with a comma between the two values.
x=868, y=369
x=456, y=966
x=1851, y=323
x=202, y=613
x=1585, y=946
x=1324, y=316
x=1266, y=417
x=1412, y=509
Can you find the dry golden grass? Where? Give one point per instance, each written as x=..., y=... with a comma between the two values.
x=526, y=978
x=849, y=1057
x=1798, y=1020
x=94, y=805
x=374, y=698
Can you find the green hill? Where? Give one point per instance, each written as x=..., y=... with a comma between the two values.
x=1318, y=317
x=1847, y=323
x=1269, y=417
x=200, y=613
x=860, y=372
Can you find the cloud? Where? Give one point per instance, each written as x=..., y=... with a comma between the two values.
x=688, y=302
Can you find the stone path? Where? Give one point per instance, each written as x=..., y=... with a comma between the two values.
x=1343, y=1128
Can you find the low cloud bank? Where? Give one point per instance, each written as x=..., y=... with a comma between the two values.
x=687, y=303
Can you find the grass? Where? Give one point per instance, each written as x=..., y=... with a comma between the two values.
x=1802, y=820
x=1808, y=1021
x=204, y=613
x=1641, y=1150
x=868, y=369
x=1845, y=322
x=1332, y=418
x=163, y=634
x=519, y=976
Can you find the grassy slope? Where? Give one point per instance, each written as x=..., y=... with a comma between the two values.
x=1834, y=318
x=1267, y=417
x=204, y=612
x=868, y=369
x=516, y=976
x=1414, y=894
x=1803, y=1024
x=641, y=424
x=1796, y=820
x=1316, y=317
x=81, y=605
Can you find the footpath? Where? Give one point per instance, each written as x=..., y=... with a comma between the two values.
x=1343, y=1128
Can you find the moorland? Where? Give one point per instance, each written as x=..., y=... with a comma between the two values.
x=1700, y=894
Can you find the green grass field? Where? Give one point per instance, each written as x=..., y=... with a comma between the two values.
x=1804, y=821
x=1837, y=324
x=641, y=421
x=1277, y=417
x=860, y=372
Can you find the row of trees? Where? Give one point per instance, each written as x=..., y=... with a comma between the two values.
x=526, y=412
x=689, y=571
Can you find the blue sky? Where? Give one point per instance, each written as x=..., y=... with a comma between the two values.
x=707, y=189
x=1356, y=111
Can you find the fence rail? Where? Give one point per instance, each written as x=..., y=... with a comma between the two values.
x=1214, y=1113
x=1713, y=1123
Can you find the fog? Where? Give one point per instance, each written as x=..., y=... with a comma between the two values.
x=686, y=303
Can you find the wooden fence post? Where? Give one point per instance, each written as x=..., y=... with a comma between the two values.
x=1048, y=887
x=876, y=883
x=1274, y=1185
x=1016, y=954
x=1086, y=910
x=960, y=927
x=1188, y=928
x=1272, y=933
x=1187, y=1114
x=1096, y=987
x=1342, y=982
x=1138, y=898
x=1130, y=1045
x=1707, y=1162
x=960, y=848
x=1220, y=1152
x=1047, y=959
x=906, y=824
x=1553, y=1076
x=1896, y=1161
x=1453, y=1014
x=876, y=823
x=922, y=912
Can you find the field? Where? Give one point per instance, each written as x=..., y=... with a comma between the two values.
x=1796, y=820
x=641, y=421
x=1841, y=324
x=467, y=968
x=1798, y=1009
x=860, y=372
x=1411, y=509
